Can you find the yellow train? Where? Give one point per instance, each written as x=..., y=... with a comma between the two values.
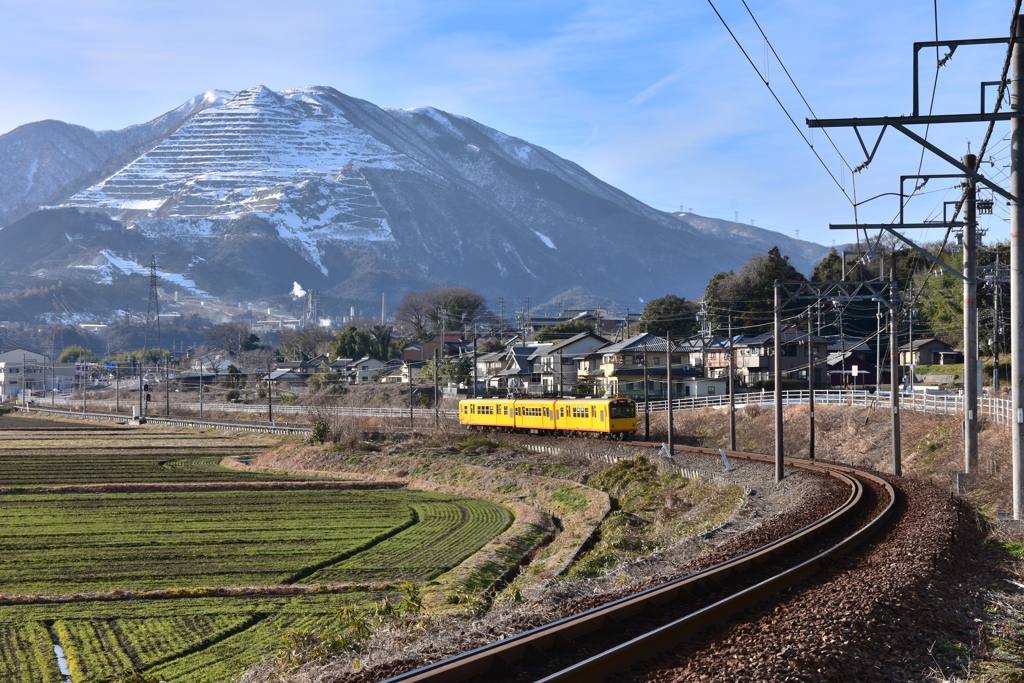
x=608, y=417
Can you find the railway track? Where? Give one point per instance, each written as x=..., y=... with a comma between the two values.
x=596, y=643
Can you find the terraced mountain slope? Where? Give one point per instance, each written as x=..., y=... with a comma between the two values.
x=259, y=189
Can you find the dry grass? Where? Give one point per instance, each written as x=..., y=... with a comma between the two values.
x=932, y=445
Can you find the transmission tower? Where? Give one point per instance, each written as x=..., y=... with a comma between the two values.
x=312, y=311
x=153, y=310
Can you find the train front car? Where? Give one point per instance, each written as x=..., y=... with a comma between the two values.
x=607, y=417
x=623, y=420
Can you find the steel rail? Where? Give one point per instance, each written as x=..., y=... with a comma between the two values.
x=533, y=643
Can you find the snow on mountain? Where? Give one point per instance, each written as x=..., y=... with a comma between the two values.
x=107, y=263
x=43, y=162
x=315, y=186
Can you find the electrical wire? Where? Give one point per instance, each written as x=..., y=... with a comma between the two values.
x=809, y=144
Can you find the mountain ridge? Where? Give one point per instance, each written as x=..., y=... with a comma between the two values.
x=250, y=191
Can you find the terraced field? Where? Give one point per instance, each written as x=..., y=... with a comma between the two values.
x=184, y=569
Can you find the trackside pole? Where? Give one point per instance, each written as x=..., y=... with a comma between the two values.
x=732, y=393
x=779, y=469
x=668, y=375
x=1016, y=280
x=970, y=256
x=894, y=353
x=810, y=385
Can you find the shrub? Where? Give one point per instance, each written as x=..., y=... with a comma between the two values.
x=321, y=432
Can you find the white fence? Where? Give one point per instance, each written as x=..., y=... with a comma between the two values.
x=998, y=410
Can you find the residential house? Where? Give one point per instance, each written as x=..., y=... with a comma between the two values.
x=930, y=351
x=718, y=354
x=452, y=345
x=518, y=376
x=755, y=357
x=490, y=364
x=357, y=371
x=847, y=355
x=556, y=363
x=623, y=368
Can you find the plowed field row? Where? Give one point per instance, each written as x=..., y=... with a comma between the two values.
x=97, y=546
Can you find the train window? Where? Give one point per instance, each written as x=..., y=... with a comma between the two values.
x=519, y=411
x=465, y=410
x=561, y=413
x=580, y=411
x=506, y=410
x=625, y=409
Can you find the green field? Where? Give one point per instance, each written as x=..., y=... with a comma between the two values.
x=210, y=529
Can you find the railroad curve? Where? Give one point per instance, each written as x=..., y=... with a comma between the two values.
x=541, y=644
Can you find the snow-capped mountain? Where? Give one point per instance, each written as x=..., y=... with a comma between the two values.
x=241, y=194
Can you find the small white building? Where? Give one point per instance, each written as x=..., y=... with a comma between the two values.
x=27, y=371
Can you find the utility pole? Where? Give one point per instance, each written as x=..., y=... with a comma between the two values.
x=501, y=320
x=201, y=388
x=117, y=388
x=668, y=376
x=167, y=385
x=412, y=423
x=997, y=324
x=810, y=384
x=528, y=323
x=894, y=351
x=1016, y=264
x=732, y=393
x=559, y=374
x=777, y=386
x=647, y=402
x=436, y=416
x=970, y=263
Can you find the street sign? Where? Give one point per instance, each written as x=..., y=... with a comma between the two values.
x=853, y=370
x=111, y=365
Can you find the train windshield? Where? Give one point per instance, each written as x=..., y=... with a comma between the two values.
x=623, y=409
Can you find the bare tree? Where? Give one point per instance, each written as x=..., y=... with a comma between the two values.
x=306, y=343
x=413, y=314
x=230, y=337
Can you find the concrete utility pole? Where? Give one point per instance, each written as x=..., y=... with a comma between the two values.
x=437, y=417
x=647, y=401
x=732, y=393
x=668, y=377
x=1016, y=264
x=894, y=355
x=971, y=378
x=810, y=384
x=779, y=469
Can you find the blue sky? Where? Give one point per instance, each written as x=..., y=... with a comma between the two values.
x=657, y=99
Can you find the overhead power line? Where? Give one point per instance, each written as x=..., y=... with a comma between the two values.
x=764, y=80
